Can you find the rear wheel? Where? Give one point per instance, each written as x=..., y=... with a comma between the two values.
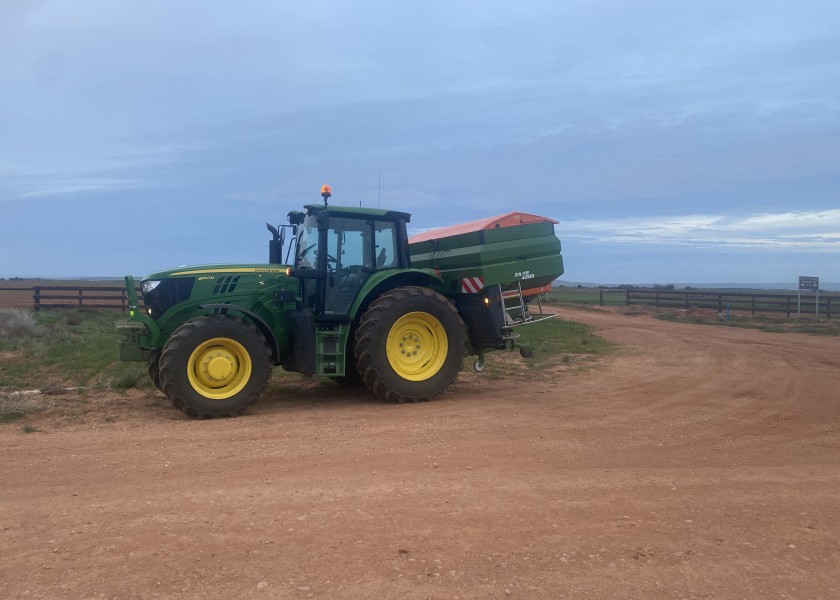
x=351, y=378
x=214, y=366
x=410, y=345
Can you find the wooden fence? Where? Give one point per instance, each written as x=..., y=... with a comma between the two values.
x=752, y=302
x=40, y=297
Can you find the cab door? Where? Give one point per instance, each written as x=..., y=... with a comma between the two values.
x=350, y=262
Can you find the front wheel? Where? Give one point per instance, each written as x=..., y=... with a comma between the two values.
x=214, y=366
x=153, y=366
x=410, y=344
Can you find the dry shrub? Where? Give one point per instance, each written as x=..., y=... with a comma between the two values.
x=17, y=323
x=21, y=405
x=636, y=309
x=706, y=313
x=73, y=319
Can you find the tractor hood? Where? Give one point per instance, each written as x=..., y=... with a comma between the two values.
x=212, y=271
x=199, y=285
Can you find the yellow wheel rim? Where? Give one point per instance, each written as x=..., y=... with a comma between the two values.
x=219, y=368
x=416, y=346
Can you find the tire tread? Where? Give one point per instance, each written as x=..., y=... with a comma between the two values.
x=167, y=368
x=371, y=321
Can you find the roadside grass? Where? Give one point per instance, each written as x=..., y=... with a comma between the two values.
x=576, y=297
x=556, y=343
x=772, y=324
x=51, y=359
x=552, y=339
x=57, y=349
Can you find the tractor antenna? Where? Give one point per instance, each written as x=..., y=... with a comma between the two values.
x=326, y=192
x=379, y=201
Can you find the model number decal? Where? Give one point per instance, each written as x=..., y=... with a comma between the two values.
x=524, y=275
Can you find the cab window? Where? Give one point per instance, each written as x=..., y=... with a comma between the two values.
x=385, y=239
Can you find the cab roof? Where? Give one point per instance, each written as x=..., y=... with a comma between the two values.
x=359, y=212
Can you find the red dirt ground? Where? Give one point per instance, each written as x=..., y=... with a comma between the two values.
x=700, y=462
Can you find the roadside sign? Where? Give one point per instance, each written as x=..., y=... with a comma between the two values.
x=808, y=284
x=811, y=284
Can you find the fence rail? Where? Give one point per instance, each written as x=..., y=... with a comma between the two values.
x=40, y=297
x=790, y=304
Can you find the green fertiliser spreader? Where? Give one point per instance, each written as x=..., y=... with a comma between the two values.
x=353, y=299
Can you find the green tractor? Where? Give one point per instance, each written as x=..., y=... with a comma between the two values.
x=349, y=305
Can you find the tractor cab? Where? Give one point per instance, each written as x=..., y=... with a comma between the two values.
x=339, y=248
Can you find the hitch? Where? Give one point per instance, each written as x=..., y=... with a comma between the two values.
x=509, y=338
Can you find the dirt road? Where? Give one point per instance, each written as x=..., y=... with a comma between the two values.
x=699, y=462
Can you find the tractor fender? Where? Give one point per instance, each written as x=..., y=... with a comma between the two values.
x=258, y=321
x=382, y=281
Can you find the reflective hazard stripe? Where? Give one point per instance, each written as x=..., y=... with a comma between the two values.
x=472, y=285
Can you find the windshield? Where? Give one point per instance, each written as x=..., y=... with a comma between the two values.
x=307, y=243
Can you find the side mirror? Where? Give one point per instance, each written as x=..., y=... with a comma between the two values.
x=295, y=217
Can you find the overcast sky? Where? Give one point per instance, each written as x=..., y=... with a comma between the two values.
x=673, y=141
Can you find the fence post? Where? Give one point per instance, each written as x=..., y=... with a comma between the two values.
x=753, y=306
x=788, y=306
x=828, y=307
x=720, y=302
x=36, y=298
x=601, y=297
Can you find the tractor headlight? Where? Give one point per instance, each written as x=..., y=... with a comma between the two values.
x=148, y=285
x=161, y=295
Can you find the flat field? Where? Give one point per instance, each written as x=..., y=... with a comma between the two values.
x=695, y=462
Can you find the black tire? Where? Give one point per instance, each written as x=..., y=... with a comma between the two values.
x=430, y=325
x=351, y=378
x=215, y=366
x=153, y=365
x=350, y=382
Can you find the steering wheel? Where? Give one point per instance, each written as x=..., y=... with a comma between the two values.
x=330, y=259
